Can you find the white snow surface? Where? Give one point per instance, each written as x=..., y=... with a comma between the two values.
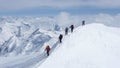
x=90, y=46
x=23, y=40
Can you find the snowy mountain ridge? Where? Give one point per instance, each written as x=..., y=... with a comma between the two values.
x=94, y=46
x=23, y=40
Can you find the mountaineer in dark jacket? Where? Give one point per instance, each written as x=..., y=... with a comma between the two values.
x=66, y=31
x=72, y=27
x=83, y=22
x=60, y=38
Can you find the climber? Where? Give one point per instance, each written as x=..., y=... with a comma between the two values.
x=47, y=49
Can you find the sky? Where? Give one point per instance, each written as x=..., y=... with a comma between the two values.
x=53, y=7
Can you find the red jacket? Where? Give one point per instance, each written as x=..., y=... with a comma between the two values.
x=47, y=48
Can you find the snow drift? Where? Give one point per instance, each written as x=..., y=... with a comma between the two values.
x=90, y=46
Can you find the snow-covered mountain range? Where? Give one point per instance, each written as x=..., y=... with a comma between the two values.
x=23, y=40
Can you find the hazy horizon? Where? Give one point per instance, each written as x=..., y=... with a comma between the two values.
x=54, y=7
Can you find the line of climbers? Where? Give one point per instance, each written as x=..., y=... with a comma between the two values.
x=47, y=49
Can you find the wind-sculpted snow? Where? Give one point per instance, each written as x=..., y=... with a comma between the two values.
x=5, y=47
x=37, y=42
x=33, y=43
x=18, y=42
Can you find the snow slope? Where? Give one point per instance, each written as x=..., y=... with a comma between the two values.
x=90, y=46
x=23, y=39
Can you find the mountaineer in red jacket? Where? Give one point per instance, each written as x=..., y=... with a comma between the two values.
x=47, y=49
